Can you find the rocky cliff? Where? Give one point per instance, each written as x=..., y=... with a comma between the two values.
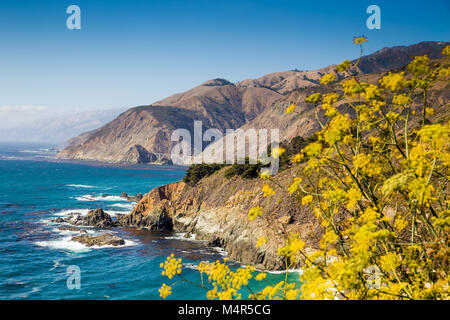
x=216, y=210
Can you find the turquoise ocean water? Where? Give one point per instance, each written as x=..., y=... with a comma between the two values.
x=35, y=188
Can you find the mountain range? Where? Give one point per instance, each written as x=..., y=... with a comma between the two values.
x=143, y=134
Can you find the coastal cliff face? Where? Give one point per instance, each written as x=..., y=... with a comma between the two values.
x=216, y=210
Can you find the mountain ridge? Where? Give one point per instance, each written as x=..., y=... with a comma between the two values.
x=219, y=104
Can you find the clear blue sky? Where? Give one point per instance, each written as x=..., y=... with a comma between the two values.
x=135, y=52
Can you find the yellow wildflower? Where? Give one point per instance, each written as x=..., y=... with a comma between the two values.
x=172, y=266
x=394, y=81
x=261, y=276
x=446, y=51
x=326, y=79
x=267, y=190
x=343, y=66
x=261, y=241
x=165, y=291
x=255, y=212
x=307, y=199
x=291, y=108
x=277, y=152
x=359, y=40
x=297, y=158
x=294, y=187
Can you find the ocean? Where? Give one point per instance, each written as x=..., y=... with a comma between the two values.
x=36, y=188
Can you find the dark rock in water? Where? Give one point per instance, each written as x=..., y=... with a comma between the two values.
x=121, y=220
x=135, y=198
x=100, y=240
x=68, y=228
x=95, y=218
x=98, y=218
x=58, y=220
x=157, y=220
x=74, y=218
x=216, y=242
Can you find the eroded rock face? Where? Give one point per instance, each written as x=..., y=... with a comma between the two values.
x=107, y=239
x=216, y=210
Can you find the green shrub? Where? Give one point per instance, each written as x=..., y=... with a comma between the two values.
x=196, y=172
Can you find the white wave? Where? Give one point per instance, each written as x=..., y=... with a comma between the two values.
x=181, y=236
x=67, y=212
x=70, y=232
x=89, y=197
x=191, y=266
x=67, y=244
x=83, y=212
x=30, y=151
x=128, y=243
x=114, y=213
x=299, y=271
x=79, y=186
x=124, y=205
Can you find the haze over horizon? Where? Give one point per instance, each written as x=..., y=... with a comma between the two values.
x=131, y=53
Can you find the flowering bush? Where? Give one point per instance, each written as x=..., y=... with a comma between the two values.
x=378, y=183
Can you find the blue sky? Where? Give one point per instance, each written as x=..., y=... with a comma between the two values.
x=133, y=52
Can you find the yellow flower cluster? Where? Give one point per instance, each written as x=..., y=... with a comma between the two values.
x=419, y=66
x=278, y=152
x=294, y=186
x=172, y=266
x=314, y=98
x=401, y=100
x=353, y=88
x=298, y=158
x=165, y=291
x=255, y=212
x=326, y=79
x=293, y=247
x=446, y=51
x=359, y=40
x=394, y=81
x=345, y=65
x=290, y=109
x=307, y=199
x=261, y=241
x=267, y=190
x=261, y=276
x=365, y=164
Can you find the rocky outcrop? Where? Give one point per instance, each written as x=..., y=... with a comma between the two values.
x=135, y=198
x=107, y=239
x=94, y=218
x=216, y=210
x=138, y=154
x=155, y=206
